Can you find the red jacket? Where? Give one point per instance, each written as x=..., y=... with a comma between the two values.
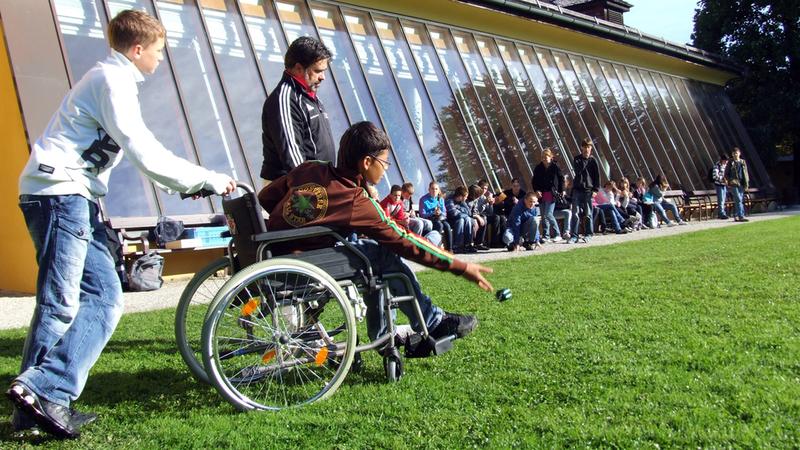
x=394, y=209
x=317, y=193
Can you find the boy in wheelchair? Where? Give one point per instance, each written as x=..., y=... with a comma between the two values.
x=317, y=193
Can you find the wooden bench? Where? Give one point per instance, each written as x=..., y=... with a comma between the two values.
x=133, y=233
x=678, y=197
x=703, y=202
x=757, y=200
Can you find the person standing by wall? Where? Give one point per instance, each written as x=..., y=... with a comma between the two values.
x=548, y=183
x=295, y=126
x=738, y=180
x=720, y=184
x=78, y=292
x=584, y=187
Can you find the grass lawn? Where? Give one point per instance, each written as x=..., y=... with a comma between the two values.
x=685, y=341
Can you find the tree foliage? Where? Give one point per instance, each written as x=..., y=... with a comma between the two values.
x=761, y=35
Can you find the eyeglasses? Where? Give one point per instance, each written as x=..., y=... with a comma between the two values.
x=384, y=163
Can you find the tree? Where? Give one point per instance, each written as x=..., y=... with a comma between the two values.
x=761, y=35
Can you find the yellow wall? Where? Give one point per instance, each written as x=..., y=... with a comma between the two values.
x=502, y=24
x=16, y=250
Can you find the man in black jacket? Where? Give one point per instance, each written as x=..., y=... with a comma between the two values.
x=584, y=187
x=294, y=123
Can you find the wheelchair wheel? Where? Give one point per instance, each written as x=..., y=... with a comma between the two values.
x=192, y=309
x=393, y=365
x=280, y=333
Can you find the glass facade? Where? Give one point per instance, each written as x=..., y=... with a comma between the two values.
x=458, y=106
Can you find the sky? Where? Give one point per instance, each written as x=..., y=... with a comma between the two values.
x=670, y=19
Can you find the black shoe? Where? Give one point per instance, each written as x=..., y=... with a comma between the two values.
x=53, y=418
x=528, y=246
x=622, y=231
x=470, y=249
x=454, y=324
x=481, y=247
x=81, y=419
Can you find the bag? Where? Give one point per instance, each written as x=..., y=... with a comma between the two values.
x=146, y=273
x=711, y=175
x=115, y=248
x=167, y=230
x=560, y=201
x=647, y=198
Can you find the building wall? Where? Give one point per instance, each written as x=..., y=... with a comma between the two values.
x=16, y=250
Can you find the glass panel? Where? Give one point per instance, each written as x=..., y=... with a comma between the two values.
x=575, y=102
x=349, y=77
x=504, y=132
x=686, y=173
x=692, y=93
x=205, y=106
x=82, y=23
x=689, y=138
x=297, y=22
x=511, y=101
x=608, y=126
x=630, y=119
x=530, y=100
x=417, y=102
x=749, y=149
x=681, y=115
x=447, y=109
x=407, y=151
x=471, y=108
x=690, y=110
x=267, y=38
x=244, y=90
x=567, y=142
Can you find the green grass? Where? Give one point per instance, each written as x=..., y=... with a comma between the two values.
x=685, y=341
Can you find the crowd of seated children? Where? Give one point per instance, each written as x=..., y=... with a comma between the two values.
x=522, y=229
x=392, y=205
x=495, y=219
x=606, y=204
x=432, y=207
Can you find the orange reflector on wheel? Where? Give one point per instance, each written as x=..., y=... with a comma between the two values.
x=268, y=356
x=250, y=307
x=322, y=355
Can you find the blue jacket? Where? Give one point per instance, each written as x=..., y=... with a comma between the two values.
x=459, y=210
x=520, y=214
x=428, y=204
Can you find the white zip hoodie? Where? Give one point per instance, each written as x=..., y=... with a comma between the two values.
x=82, y=143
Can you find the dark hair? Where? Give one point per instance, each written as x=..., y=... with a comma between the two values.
x=406, y=186
x=306, y=51
x=360, y=140
x=723, y=157
x=475, y=191
x=132, y=27
x=515, y=180
x=483, y=183
x=460, y=191
x=394, y=188
x=531, y=194
x=587, y=143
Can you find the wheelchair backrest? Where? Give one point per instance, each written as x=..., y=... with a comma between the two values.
x=244, y=221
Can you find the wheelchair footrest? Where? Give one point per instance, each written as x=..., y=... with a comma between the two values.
x=422, y=347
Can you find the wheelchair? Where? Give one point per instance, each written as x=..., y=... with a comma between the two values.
x=275, y=331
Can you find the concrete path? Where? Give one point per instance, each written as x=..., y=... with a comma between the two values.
x=16, y=311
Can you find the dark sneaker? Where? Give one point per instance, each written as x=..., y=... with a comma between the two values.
x=81, y=419
x=53, y=418
x=744, y=219
x=481, y=247
x=454, y=324
x=528, y=246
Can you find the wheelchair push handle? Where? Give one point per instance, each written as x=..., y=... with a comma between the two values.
x=207, y=192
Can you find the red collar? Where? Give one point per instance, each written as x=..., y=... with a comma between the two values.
x=305, y=86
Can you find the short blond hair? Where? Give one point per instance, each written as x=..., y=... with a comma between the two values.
x=547, y=152
x=132, y=27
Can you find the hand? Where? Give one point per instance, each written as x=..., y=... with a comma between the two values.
x=474, y=272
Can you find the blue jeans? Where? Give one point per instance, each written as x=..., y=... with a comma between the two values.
x=462, y=232
x=660, y=209
x=78, y=296
x=611, y=211
x=528, y=232
x=722, y=195
x=738, y=201
x=548, y=209
x=582, y=201
x=384, y=262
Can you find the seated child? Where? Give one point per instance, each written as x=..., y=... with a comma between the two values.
x=523, y=224
x=393, y=206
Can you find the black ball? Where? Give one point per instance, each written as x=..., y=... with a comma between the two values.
x=503, y=294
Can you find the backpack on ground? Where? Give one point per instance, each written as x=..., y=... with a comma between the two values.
x=146, y=272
